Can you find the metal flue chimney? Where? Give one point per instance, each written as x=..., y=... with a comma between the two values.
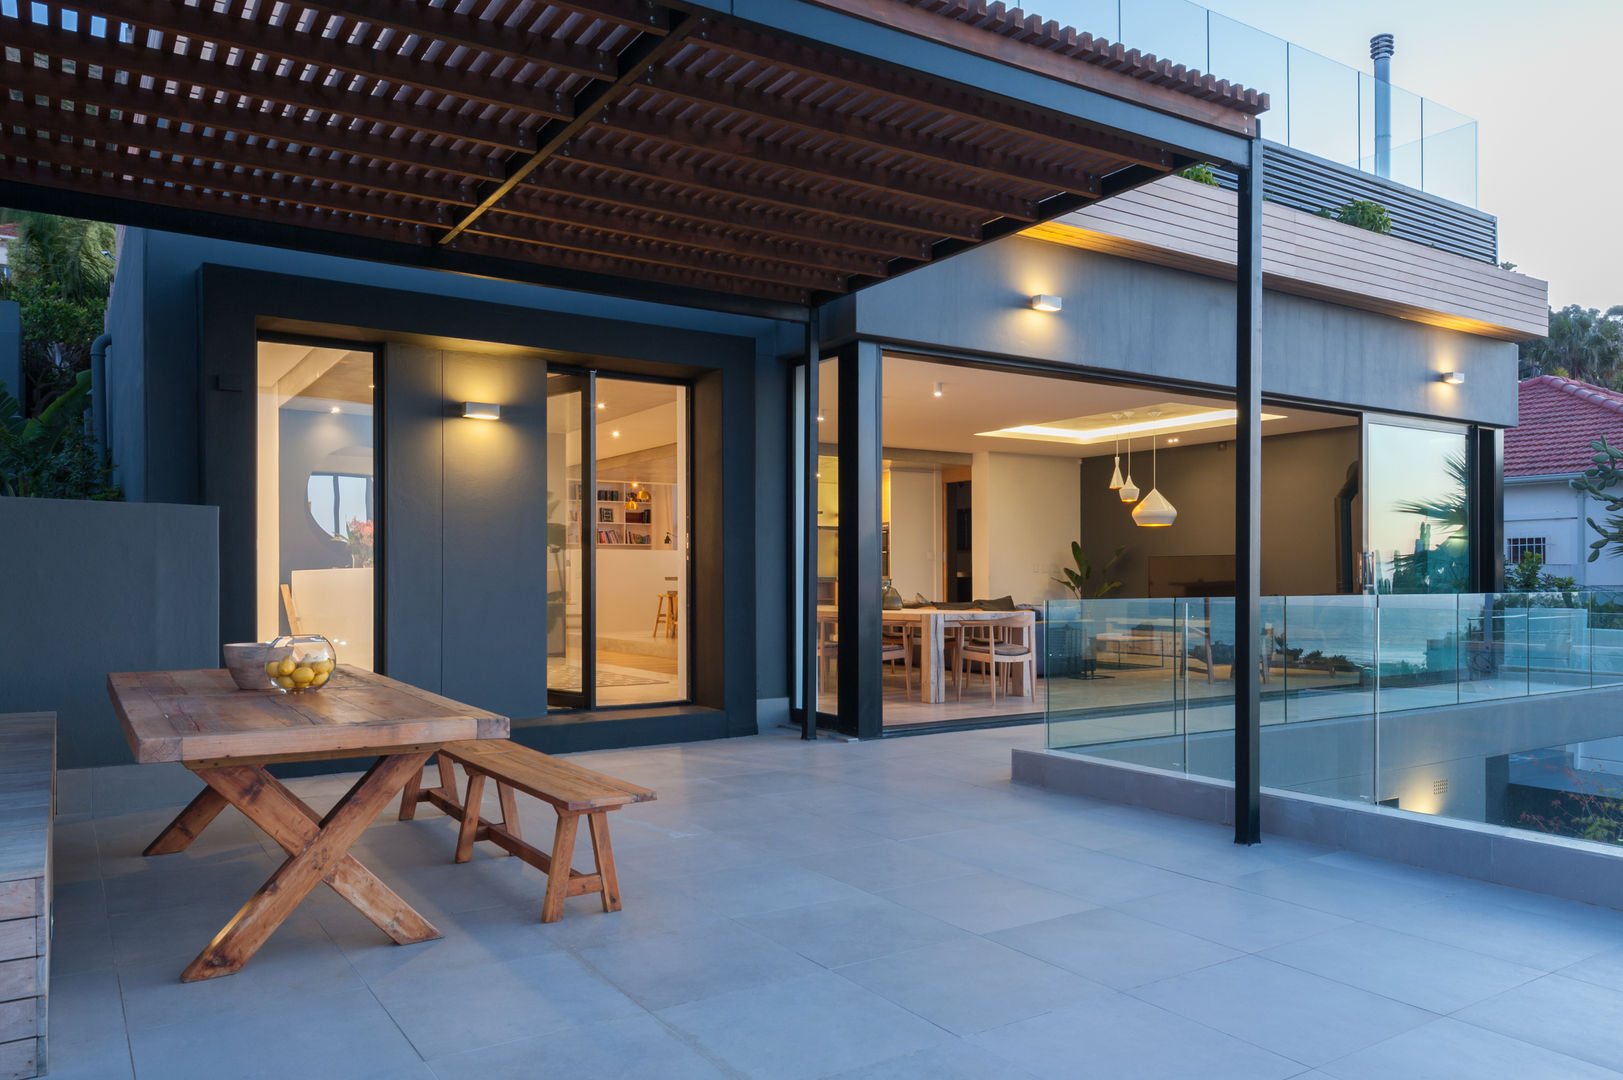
x=1380, y=50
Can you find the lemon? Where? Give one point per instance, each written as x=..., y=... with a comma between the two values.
x=321, y=677
x=287, y=666
x=284, y=682
x=273, y=669
x=302, y=675
x=324, y=666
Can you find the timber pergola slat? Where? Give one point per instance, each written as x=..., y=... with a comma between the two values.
x=727, y=151
x=241, y=122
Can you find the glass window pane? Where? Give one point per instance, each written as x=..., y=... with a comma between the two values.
x=1417, y=482
x=315, y=504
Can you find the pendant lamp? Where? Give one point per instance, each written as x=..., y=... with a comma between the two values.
x=1115, y=474
x=1129, y=490
x=1155, y=511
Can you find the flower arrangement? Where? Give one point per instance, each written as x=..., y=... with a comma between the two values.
x=358, y=537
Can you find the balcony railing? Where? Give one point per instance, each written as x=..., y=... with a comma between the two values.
x=1318, y=106
x=1350, y=693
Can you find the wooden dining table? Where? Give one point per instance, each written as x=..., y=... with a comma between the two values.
x=930, y=625
x=229, y=736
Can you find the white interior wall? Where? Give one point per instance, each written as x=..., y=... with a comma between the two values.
x=1026, y=513
x=915, y=531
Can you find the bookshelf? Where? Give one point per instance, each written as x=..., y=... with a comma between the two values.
x=619, y=527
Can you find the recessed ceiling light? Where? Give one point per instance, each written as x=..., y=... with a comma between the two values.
x=335, y=409
x=602, y=405
x=938, y=387
x=616, y=434
x=819, y=419
x=1172, y=440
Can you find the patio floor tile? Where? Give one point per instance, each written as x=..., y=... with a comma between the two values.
x=1114, y=948
x=802, y=1028
x=1293, y=1013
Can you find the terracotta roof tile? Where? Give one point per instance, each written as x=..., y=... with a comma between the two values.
x=1012, y=22
x=1558, y=418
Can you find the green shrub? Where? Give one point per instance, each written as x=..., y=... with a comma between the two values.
x=1361, y=214
x=1200, y=173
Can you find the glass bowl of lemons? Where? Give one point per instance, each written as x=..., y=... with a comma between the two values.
x=300, y=663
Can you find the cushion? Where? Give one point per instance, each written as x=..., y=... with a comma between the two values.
x=1002, y=603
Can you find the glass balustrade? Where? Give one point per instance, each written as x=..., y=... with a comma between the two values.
x=1317, y=105
x=1420, y=701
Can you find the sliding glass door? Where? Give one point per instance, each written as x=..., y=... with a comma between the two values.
x=618, y=498
x=571, y=550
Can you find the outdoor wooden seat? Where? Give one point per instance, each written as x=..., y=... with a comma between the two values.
x=573, y=791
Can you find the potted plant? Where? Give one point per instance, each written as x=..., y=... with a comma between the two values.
x=1078, y=654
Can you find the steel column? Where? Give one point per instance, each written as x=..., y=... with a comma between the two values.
x=1248, y=505
x=860, y=707
x=1485, y=499
x=808, y=532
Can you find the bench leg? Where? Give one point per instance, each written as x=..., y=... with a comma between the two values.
x=504, y=793
x=563, y=853
x=470, y=816
x=598, y=822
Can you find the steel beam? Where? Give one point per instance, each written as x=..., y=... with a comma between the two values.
x=1247, y=673
x=637, y=59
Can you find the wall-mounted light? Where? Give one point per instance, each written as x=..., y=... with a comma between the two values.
x=1453, y=378
x=938, y=387
x=1045, y=302
x=481, y=410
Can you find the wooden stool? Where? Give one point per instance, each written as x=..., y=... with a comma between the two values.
x=665, y=613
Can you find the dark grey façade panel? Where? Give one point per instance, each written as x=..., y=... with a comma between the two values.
x=464, y=502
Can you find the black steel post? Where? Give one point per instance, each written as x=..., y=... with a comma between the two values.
x=860, y=711
x=1485, y=500
x=1248, y=505
x=808, y=533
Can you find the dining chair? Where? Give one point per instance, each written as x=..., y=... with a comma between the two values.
x=999, y=643
x=893, y=647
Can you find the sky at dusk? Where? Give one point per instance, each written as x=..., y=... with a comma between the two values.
x=1542, y=81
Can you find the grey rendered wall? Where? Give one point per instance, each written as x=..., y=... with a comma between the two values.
x=1301, y=474
x=1130, y=317
x=126, y=368
x=96, y=587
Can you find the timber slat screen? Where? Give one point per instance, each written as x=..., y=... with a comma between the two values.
x=606, y=137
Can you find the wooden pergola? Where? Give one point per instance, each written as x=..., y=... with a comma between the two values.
x=575, y=141
x=756, y=156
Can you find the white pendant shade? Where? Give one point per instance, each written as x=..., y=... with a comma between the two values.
x=1129, y=490
x=1154, y=511
x=1115, y=476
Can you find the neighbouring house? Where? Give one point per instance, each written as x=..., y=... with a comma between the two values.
x=1547, y=449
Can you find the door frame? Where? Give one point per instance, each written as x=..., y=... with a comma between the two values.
x=560, y=383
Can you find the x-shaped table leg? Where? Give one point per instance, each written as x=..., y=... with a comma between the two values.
x=318, y=851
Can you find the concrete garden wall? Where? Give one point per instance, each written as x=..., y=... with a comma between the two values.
x=95, y=587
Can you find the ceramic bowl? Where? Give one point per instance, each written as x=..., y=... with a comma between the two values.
x=245, y=660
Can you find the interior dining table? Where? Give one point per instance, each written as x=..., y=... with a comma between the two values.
x=228, y=737
x=930, y=626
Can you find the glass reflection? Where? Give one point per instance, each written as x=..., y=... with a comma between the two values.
x=1417, y=501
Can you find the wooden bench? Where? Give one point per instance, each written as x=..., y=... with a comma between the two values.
x=573, y=792
x=27, y=804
